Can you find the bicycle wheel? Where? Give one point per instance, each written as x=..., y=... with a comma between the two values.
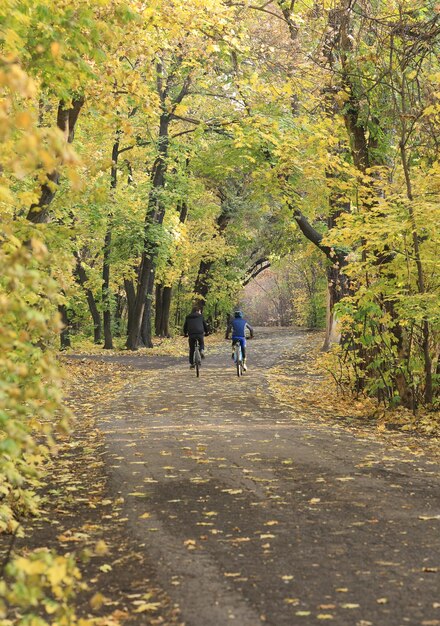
x=238, y=360
x=197, y=361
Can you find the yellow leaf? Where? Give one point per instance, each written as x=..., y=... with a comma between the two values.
x=57, y=571
x=55, y=48
x=147, y=606
x=106, y=567
x=101, y=548
x=97, y=601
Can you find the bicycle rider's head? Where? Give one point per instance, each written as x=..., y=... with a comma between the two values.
x=196, y=309
x=238, y=314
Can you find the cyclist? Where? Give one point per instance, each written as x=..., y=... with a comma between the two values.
x=238, y=327
x=195, y=328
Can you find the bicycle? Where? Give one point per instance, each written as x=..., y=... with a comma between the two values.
x=197, y=358
x=238, y=358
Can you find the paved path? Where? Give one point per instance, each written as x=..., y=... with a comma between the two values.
x=253, y=515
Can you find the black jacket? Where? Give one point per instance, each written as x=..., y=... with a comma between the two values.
x=195, y=325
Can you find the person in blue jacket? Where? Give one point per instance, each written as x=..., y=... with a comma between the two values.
x=237, y=325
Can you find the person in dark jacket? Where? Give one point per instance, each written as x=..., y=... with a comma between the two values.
x=195, y=328
x=238, y=325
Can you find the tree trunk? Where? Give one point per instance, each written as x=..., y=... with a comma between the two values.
x=201, y=286
x=119, y=311
x=81, y=275
x=162, y=315
x=158, y=310
x=65, y=331
x=164, y=293
x=178, y=313
x=146, y=329
x=155, y=215
x=106, y=296
x=335, y=292
x=66, y=121
x=130, y=292
x=106, y=299
x=166, y=306
x=165, y=81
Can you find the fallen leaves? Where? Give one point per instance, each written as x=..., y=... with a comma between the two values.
x=202, y=495
x=106, y=567
x=317, y=397
x=97, y=600
x=303, y=613
x=143, y=607
x=101, y=548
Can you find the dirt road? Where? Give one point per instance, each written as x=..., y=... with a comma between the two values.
x=252, y=515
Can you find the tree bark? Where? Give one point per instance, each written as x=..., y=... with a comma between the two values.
x=106, y=296
x=81, y=276
x=65, y=331
x=201, y=286
x=165, y=82
x=66, y=122
x=166, y=307
x=130, y=293
x=106, y=299
x=158, y=310
x=155, y=215
x=146, y=328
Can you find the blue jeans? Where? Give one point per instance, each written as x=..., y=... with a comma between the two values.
x=242, y=341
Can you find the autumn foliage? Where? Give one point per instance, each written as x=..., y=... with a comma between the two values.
x=156, y=154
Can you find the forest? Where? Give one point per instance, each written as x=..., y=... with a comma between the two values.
x=164, y=153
